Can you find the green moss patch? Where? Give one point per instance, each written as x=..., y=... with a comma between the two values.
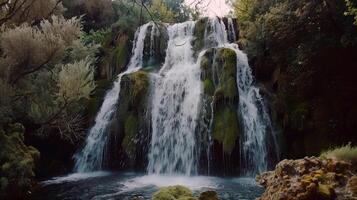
x=225, y=128
x=173, y=193
x=131, y=130
x=17, y=161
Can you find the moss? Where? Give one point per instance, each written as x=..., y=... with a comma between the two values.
x=226, y=65
x=17, y=161
x=140, y=85
x=121, y=53
x=205, y=63
x=173, y=193
x=225, y=128
x=131, y=130
x=199, y=33
x=208, y=87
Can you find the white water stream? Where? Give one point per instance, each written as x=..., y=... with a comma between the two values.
x=92, y=156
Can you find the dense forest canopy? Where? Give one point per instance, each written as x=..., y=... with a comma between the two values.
x=58, y=57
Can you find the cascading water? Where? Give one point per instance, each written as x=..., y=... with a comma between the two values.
x=255, y=119
x=231, y=33
x=252, y=110
x=175, y=107
x=91, y=157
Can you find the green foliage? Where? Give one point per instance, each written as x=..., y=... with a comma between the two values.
x=17, y=161
x=95, y=37
x=121, y=52
x=129, y=16
x=173, y=193
x=225, y=127
x=243, y=9
x=351, y=10
x=346, y=153
x=76, y=81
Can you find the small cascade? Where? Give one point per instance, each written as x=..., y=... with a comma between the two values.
x=252, y=111
x=231, y=35
x=254, y=117
x=175, y=107
x=215, y=33
x=92, y=156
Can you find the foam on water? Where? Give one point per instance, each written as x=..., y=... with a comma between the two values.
x=193, y=182
x=74, y=177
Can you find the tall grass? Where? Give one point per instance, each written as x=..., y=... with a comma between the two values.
x=346, y=153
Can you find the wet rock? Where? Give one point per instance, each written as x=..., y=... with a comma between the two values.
x=208, y=195
x=310, y=178
x=173, y=193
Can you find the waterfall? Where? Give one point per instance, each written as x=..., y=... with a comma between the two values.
x=231, y=32
x=175, y=107
x=254, y=119
x=176, y=99
x=252, y=111
x=91, y=157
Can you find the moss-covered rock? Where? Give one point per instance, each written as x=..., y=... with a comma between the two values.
x=208, y=195
x=130, y=126
x=17, y=162
x=135, y=95
x=198, y=42
x=130, y=129
x=225, y=128
x=121, y=54
x=219, y=70
x=173, y=193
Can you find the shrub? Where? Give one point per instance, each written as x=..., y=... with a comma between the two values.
x=346, y=153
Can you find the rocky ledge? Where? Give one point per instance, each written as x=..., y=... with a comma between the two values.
x=310, y=178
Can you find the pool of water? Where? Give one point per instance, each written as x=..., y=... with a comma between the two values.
x=125, y=186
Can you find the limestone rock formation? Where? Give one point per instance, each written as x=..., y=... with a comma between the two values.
x=309, y=178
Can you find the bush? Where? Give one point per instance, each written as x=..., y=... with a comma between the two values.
x=346, y=153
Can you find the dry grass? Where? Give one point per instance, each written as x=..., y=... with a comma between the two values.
x=345, y=153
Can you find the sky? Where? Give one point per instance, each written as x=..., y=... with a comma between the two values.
x=213, y=7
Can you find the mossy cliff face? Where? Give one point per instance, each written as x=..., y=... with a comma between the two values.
x=115, y=55
x=129, y=130
x=155, y=53
x=17, y=162
x=221, y=93
x=199, y=33
x=315, y=107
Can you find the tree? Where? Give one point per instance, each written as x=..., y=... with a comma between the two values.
x=31, y=11
x=27, y=49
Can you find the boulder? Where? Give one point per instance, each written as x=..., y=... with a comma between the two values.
x=310, y=178
x=173, y=193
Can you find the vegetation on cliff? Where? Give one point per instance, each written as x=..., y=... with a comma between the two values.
x=303, y=53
